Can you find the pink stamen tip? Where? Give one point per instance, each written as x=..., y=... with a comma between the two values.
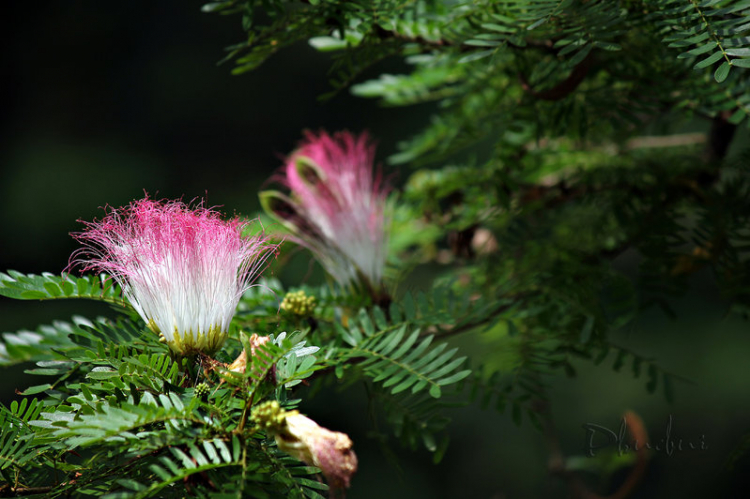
x=339, y=192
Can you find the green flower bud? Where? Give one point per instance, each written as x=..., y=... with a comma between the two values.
x=299, y=303
x=269, y=415
x=201, y=390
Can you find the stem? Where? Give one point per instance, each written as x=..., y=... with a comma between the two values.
x=565, y=87
x=445, y=333
x=245, y=413
x=24, y=491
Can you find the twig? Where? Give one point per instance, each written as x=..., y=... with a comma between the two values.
x=23, y=491
x=452, y=331
x=565, y=87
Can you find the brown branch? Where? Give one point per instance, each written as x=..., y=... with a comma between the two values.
x=547, y=46
x=7, y=491
x=565, y=87
x=637, y=430
x=662, y=141
x=452, y=331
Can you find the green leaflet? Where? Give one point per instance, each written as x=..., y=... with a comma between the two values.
x=402, y=360
x=51, y=287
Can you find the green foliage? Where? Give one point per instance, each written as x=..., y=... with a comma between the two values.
x=130, y=410
x=51, y=287
x=711, y=31
x=115, y=392
x=417, y=420
x=16, y=438
x=551, y=66
x=403, y=361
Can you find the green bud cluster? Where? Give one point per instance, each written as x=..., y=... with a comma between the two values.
x=201, y=390
x=268, y=415
x=298, y=303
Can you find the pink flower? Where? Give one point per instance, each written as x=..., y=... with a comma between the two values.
x=183, y=269
x=337, y=208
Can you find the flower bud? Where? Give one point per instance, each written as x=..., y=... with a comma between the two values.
x=298, y=303
x=304, y=439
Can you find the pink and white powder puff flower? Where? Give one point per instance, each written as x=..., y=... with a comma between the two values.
x=182, y=269
x=337, y=206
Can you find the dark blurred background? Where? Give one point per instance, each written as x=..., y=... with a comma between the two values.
x=104, y=100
